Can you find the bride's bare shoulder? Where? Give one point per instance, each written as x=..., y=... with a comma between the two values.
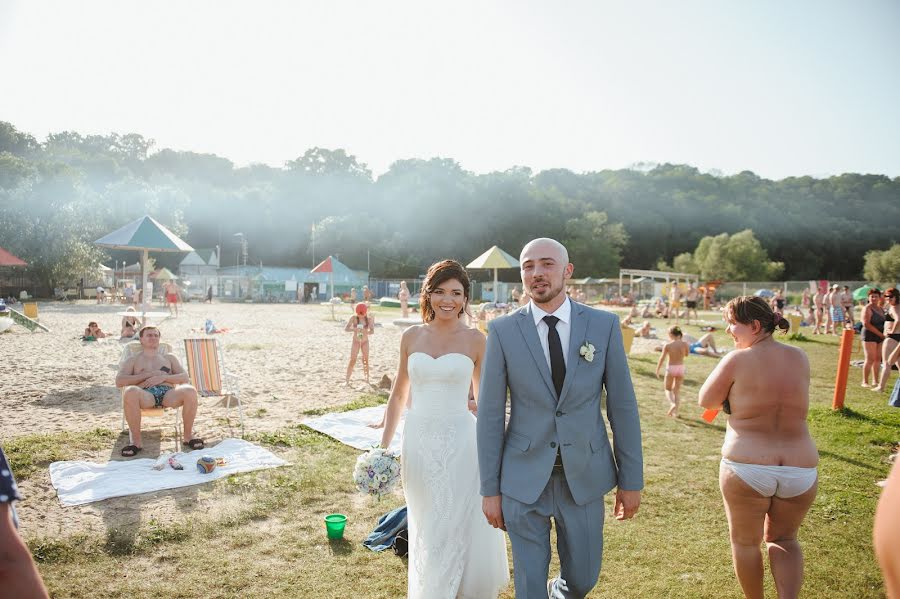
x=411, y=333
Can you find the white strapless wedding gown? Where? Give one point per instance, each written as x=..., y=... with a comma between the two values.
x=453, y=552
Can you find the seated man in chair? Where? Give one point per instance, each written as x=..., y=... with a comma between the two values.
x=155, y=380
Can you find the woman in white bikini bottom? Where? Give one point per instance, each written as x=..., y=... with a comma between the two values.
x=783, y=482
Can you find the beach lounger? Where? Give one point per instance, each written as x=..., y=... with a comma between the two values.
x=205, y=364
x=134, y=347
x=26, y=322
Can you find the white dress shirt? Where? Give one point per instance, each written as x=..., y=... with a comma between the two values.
x=563, y=327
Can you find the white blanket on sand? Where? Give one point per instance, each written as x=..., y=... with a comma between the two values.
x=351, y=428
x=78, y=483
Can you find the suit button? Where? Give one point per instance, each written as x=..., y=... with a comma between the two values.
x=553, y=444
x=558, y=413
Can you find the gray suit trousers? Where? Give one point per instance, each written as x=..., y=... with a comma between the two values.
x=579, y=541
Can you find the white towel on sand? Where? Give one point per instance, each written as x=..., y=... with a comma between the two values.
x=351, y=428
x=78, y=483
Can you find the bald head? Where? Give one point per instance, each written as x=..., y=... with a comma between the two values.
x=544, y=247
x=545, y=267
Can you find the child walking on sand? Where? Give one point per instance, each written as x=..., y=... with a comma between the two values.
x=676, y=350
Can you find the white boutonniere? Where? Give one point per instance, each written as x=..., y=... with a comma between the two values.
x=587, y=351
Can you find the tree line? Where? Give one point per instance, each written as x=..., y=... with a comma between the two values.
x=59, y=194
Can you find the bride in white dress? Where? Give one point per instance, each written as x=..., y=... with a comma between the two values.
x=453, y=552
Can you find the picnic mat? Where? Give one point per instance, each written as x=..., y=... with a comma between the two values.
x=78, y=483
x=351, y=428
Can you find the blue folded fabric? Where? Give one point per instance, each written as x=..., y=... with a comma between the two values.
x=895, y=395
x=388, y=526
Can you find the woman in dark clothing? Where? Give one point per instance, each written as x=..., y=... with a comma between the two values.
x=873, y=335
x=891, y=335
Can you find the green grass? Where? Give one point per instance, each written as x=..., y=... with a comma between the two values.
x=273, y=543
x=29, y=453
x=364, y=401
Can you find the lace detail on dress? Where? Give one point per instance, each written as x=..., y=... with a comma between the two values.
x=453, y=552
x=438, y=443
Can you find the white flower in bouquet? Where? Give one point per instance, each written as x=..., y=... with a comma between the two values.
x=376, y=472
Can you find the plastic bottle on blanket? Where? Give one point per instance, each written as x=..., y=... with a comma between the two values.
x=162, y=460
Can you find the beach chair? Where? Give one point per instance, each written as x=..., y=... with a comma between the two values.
x=134, y=347
x=205, y=364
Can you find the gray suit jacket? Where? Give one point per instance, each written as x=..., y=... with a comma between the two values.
x=518, y=461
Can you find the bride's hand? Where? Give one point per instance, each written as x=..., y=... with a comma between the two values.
x=473, y=407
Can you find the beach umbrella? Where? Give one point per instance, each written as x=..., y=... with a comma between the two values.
x=862, y=292
x=764, y=293
x=145, y=234
x=326, y=265
x=495, y=259
x=165, y=275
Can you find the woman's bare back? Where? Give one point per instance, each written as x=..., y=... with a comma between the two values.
x=769, y=401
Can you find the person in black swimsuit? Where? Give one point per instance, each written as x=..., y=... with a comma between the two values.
x=891, y=336
x=779, y=302
x=873, y=335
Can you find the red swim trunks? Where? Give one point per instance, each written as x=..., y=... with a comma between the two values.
x=172, y=298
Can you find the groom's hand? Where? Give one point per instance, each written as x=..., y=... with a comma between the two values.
x=493, y=511
x=627, y=503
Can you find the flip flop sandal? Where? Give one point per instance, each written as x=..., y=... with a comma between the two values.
x=129, y=451
x=194, y=443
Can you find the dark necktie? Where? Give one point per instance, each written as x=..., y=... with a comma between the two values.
x=557, y=362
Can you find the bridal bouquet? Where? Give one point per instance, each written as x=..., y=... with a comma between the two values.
x=377, y=472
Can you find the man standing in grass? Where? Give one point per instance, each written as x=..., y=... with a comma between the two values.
x=847, y=304
x=837, y=310
x=818, y=306
x=555, y=460
x=826, y=310
x=690, y=300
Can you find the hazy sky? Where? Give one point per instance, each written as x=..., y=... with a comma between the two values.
x=780, y=88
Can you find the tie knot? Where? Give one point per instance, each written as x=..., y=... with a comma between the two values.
x=551, y=321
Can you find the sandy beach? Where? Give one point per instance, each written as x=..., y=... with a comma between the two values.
x=289, y=358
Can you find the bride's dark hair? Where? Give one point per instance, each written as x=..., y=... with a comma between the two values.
x=439, y=273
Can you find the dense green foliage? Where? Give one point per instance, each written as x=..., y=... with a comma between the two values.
x=883, y=266
x=58, y=195
x=738, y=257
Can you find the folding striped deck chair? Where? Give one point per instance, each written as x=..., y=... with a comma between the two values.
x=205, y=364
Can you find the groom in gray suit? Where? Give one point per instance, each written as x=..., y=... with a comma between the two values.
x=554, y=459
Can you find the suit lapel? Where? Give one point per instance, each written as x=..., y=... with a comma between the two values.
x=529, y=332
x=577, y=333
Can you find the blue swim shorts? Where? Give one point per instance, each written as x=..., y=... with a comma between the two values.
x=158, y=392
